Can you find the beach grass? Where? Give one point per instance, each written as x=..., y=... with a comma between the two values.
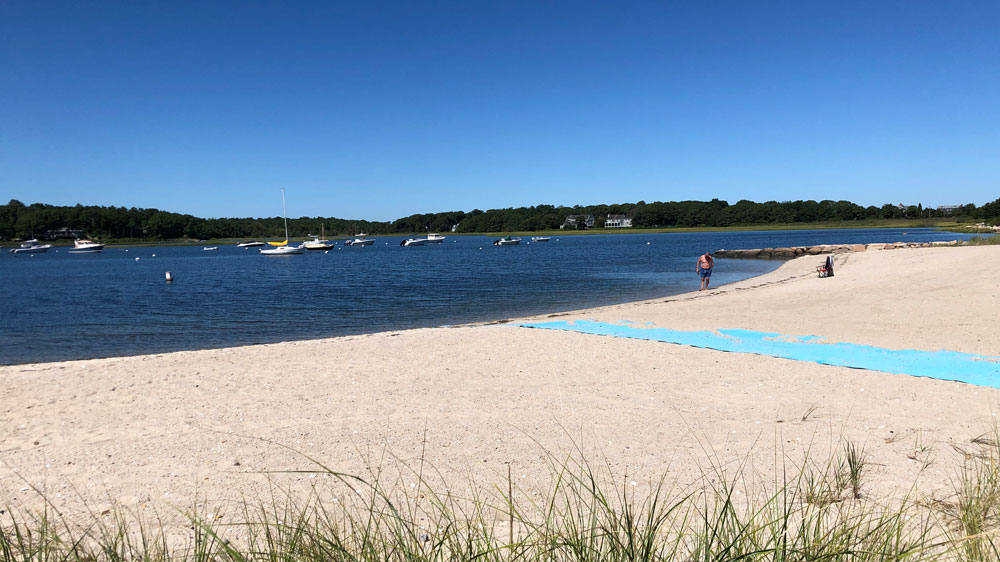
x=586, y=513
x=983, y=241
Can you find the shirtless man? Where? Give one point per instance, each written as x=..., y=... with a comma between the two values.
x=704, y=268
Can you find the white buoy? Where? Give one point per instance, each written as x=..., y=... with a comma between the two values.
x=154, y=255
x=170, y=278
x=647, y=243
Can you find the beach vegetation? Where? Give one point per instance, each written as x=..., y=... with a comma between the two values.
x=586, y=513
x=983, y=240
x=856, y=467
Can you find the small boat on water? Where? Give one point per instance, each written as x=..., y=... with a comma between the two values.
x=434, y=238
x=362, y=241
x=283, y=251
x=250, y=244
x=30, y=247
x=86, y=247
x=282, y=248
x=413, y=242
x=540, y=238
x=210, y=248
x=506, y=241
x=317, y=243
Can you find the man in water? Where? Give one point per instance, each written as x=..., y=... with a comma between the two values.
x=704, y=268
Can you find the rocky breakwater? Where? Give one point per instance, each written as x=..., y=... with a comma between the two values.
x=796, y=251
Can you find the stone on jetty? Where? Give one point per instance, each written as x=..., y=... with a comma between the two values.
x=794, y=252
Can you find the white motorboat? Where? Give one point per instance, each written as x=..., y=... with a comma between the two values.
x=540, y=238
x=30, y=247
x=506, y=241
x=210, y=248
x=317, y=243
x=360, y=242
x=86, y=246
x=282, y=248
x=434, y=238
x=413, y=242
x=250, y=244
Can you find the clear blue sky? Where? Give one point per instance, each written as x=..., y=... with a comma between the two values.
x=381, y=110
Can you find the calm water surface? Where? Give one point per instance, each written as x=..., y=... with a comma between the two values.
x=61, y=306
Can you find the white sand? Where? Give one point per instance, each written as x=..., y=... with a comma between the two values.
x=157, y=430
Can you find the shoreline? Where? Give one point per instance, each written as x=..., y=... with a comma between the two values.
x=154, y=430
x=503, y=320
x=159, y=343
x=770, y=254
x=959, y=228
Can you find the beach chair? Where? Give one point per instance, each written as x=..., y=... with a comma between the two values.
x=826, y=270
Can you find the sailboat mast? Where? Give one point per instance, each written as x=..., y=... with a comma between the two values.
x=284, y=213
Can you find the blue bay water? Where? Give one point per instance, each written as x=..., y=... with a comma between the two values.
x=60, y=306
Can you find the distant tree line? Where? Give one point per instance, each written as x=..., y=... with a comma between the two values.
x=39, y=220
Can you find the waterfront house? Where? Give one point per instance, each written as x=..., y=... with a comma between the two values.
x=63, y=233
x=579, y=222
x=618, y=221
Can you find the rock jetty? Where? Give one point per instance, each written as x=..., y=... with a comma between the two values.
x=796, y=251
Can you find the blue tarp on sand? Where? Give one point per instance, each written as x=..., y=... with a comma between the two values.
x=982, y=370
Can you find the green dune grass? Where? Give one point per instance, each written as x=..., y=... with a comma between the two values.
x=819, y=511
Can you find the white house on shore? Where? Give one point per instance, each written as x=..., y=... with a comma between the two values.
x=618, y=221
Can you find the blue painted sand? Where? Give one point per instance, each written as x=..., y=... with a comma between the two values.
x=980, y=370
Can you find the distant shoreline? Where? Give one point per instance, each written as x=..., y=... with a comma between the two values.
x=887, y=224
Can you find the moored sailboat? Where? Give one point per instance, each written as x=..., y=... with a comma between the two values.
x=282, y=248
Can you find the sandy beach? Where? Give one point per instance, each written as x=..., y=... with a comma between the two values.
x=154, y=431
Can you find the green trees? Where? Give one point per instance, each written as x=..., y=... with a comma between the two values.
x=38, y=220
x=989, y=212
x=165, y=225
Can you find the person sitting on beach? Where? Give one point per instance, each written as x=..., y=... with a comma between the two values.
x=704, y=268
